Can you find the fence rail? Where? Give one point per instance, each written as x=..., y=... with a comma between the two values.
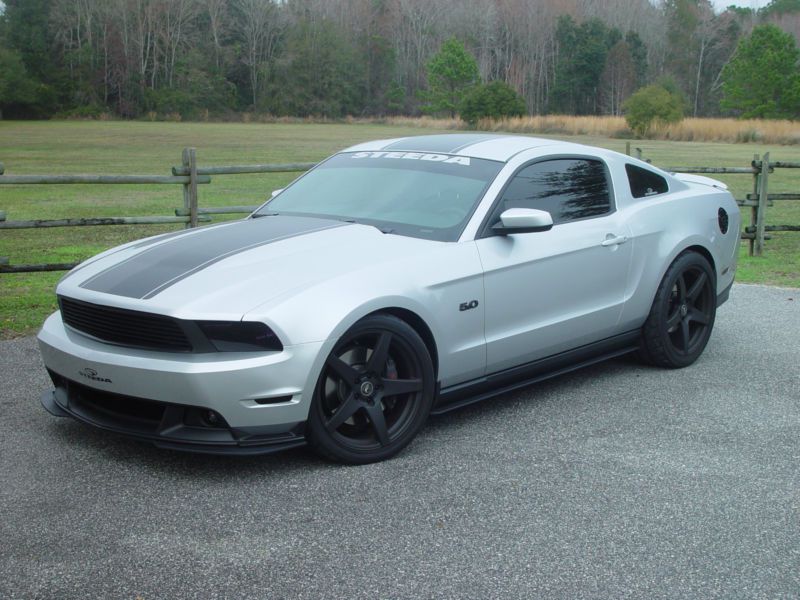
x=715, y=170
x=99, y=179
x=757, y=201
x=241, y=169
x=189, y=175
x=95, y=221
x=217, y=210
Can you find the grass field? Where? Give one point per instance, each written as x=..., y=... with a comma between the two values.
x=152, y=148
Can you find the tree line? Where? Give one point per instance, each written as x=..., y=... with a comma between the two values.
x=334, y=58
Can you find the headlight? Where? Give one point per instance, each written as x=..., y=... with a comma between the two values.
x=240, y=336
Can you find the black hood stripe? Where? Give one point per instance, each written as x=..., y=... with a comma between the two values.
x=155, y=269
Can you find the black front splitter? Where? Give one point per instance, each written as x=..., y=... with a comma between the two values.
x=251, y=446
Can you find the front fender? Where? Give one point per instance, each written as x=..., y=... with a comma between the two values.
x=433, y=290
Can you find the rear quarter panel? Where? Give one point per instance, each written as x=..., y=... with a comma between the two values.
x=663, y=226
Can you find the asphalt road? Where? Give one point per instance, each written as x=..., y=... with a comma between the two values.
x=620, y=481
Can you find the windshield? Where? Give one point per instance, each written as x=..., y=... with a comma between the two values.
x=430, y=196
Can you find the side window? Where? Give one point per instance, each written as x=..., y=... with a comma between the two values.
x=644, y=182
x=568, y=188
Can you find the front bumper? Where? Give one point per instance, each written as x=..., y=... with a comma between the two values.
x=172, y=426
x=260, y=399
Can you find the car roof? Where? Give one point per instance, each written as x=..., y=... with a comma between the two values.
x=490, y=146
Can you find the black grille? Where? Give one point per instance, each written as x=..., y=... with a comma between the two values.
x=125, y=327
x=145, y=413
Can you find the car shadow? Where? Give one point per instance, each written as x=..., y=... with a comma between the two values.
x=128, y=453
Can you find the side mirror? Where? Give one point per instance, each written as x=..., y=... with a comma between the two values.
x=275, y=193
x=523, y=220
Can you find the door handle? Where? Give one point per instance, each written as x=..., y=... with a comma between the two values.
x=614, y=240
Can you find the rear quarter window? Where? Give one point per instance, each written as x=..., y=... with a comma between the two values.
x=644, y=182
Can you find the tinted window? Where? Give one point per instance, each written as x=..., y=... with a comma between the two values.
x=645, y=183
x=569, y=189
x=409, y=193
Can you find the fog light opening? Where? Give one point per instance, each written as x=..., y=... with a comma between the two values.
x=212, y=418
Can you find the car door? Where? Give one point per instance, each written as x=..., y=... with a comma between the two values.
x=547, y=292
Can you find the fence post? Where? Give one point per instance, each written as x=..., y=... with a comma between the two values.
x=761, y=210
x=628, y=148
x=751, y=242
x=189, y=160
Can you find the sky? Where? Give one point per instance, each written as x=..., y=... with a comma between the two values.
x=722, y=4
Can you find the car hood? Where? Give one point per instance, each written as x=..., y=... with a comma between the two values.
x=226, y=270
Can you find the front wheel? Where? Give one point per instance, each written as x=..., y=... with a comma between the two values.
x=682, y=316
x=374, y=393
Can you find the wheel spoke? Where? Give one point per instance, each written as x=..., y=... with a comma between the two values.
x=346, y=410
x=345, y=372
x=380, y=353
x=685, y=334
x=681, y=289
x=697, y=286
x=673, y=321
x=395, y=387
x=375, y=414
x=698, y=316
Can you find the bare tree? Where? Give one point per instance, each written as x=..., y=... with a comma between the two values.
x=618, y=80
x=705, y=36
x=176, y=18
x=417, y=37
x=261, y=24
x=217, y=13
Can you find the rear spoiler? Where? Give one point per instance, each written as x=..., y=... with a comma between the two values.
x=688, y=178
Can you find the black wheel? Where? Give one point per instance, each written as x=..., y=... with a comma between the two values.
x=374, y=393
x=677, y=330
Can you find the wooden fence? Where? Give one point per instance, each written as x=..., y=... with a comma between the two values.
x=760, y=170
x=190, y=176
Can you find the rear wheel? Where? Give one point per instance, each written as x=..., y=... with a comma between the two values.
x=682, y=316
x=374, y=393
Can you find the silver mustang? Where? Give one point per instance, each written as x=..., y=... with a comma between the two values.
x=396, y=279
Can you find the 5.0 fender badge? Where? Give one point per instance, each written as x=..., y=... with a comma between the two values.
x=92, y=374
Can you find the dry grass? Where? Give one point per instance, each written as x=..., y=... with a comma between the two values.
x=735, y=131
x=560, y=125
x=688, y=130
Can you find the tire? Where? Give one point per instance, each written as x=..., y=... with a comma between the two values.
x=374, y=393
x=682, y=316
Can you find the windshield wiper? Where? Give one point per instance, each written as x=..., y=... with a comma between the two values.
x=268, y=214
x=381, y=229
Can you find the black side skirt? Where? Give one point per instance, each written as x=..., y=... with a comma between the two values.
x=723, y=296
x=470, y=392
